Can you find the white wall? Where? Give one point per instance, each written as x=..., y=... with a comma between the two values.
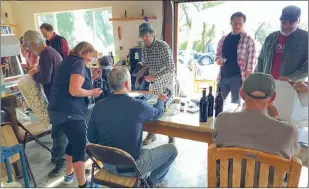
x=23, y=13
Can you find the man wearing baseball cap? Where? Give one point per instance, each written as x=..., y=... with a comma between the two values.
x=157, y=55
x=253, y=127
x=284, y=54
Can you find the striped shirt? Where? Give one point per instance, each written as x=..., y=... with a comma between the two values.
x=246, y=54
x=158, y=56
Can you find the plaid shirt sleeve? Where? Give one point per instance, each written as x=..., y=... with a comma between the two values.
x=167, y=59
x=219, y=48
x=251, y=56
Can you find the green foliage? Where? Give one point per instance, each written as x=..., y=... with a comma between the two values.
x=103, y=27
x=208, y=32
x=183, y=45
x=65, y=24
x=46, y=18
x=206, y=37
x=262, y=32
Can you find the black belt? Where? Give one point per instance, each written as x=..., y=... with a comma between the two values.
x=125, y=170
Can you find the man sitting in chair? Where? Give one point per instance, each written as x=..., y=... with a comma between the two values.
x=254, y=128
x=117, y=121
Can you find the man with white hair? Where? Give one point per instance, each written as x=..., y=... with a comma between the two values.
x=284, y=54
x=48, y=63
x=255, y=126
x=123, y=128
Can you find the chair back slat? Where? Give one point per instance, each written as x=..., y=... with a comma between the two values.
x=294, y=176
x=278, y=178
x=257, y=168
x=224, y=166
x=250, y=168
x=109, y=155
x=236, y=173
x=211, y=171
x=263, y=175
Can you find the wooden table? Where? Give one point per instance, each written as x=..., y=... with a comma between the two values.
x=182, y=125
x=187, y=126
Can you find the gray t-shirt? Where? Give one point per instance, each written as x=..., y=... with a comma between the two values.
x=254, y=129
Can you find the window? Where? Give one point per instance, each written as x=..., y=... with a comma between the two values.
x=202, y=24
x=91, y=25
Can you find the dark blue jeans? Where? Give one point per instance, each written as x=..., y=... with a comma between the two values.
x=230, y=84
x=60, y=142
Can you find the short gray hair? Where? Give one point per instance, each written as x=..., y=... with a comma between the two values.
x=35, y=37
x=117, y=78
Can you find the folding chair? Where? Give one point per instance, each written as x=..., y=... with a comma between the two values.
x=231, y=173
x=113, y=156
x=28, y=132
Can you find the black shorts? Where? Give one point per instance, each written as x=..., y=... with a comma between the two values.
x=76, y=134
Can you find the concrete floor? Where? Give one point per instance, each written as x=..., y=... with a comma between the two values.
x=188, y=170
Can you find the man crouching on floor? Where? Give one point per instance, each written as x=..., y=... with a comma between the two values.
x=117, y=121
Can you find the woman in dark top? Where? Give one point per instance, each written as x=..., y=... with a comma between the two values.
x=68, y=106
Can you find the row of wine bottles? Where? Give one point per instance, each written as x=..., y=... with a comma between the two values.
x=209, y=105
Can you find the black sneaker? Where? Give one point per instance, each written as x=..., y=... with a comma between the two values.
x=57, y=171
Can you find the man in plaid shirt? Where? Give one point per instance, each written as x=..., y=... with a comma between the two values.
x=236, y=54
x=157, y=55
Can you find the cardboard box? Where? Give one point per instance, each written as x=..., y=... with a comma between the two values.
x=292, y=106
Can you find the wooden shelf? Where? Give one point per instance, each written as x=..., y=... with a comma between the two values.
x=133, y=18
x=10, y=25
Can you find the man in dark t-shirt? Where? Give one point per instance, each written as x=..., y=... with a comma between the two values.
x=236, y=56
x=48, y=64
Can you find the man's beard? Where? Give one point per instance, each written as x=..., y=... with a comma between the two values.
x=285, y=32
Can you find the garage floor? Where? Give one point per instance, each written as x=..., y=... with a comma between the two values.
x=189, y=169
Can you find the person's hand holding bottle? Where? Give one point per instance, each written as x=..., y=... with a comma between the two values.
x=96, y=92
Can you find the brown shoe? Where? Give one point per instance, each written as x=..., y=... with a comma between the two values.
x=171, y=140
x=149, y=138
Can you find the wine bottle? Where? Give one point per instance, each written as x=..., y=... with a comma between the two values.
x=105, y=90
x=98, y=84
x=203, y=107
x=112, y=57
x=219, y=103
x=211, y=101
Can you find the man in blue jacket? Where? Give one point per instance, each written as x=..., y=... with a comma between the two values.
x=117, y=121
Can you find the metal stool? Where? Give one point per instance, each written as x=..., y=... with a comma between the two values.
x=7, y=152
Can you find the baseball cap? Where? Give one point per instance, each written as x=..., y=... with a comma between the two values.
x=105, y=62
x=259, y=82
x=290, y=13
x=144, y=29
x=31, y=35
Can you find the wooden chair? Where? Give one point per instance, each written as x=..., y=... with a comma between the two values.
x=9, y=139
x=112, y=156
x=281, y=167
